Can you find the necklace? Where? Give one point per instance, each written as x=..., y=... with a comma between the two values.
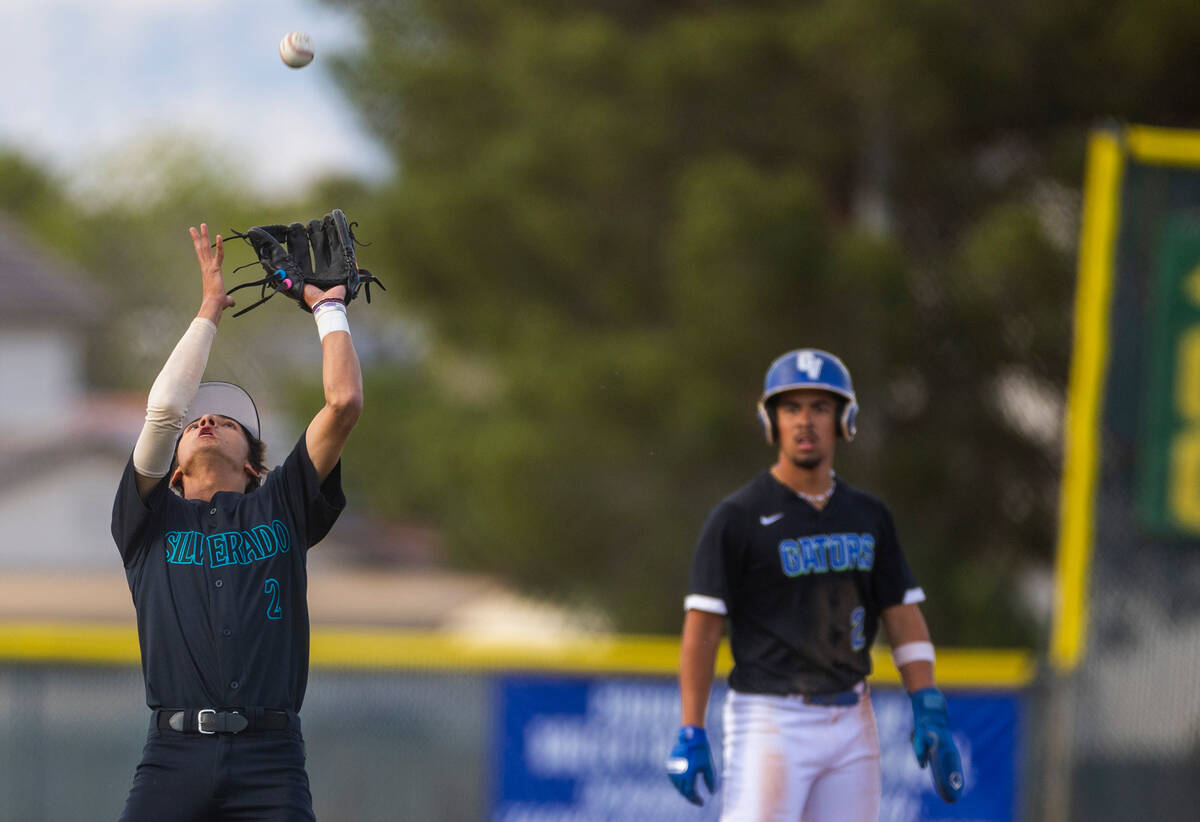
x=823, y=497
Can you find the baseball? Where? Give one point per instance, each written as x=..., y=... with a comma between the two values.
x=296, y=49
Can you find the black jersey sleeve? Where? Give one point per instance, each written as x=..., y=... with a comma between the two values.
x=132, y=516
x=318, y=504
x=717, y=556
x=892, y=581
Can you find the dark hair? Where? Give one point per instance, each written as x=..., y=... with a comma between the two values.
x=257, y=459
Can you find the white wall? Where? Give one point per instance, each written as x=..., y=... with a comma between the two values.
x=60, y=520
x=41, y=377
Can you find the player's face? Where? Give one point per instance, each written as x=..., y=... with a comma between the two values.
x=806, y=420
x=214, y=434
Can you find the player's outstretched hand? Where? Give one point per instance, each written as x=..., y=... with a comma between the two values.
x=212, y=281
x=934, y=745
x=691, y=757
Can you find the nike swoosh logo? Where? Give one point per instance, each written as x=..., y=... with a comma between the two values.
x=770, y=519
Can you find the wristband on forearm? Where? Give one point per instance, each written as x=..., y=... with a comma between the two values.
x=330, y=316
x=912, y=652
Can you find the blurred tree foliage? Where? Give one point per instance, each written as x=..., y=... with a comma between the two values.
x=611, y=216
x=617, y=214
x=126, y=222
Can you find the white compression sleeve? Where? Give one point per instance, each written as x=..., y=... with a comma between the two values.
x=172, y=392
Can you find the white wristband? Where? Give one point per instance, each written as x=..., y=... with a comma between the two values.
x=330, y=317
x=913, y=652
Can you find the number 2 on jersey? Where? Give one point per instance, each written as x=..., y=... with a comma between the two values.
x=858, y=628
x=273, y=609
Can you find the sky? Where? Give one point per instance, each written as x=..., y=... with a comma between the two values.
x=94, y=80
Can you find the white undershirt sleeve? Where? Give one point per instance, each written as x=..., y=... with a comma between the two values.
x=172, y=392
x=700, y=602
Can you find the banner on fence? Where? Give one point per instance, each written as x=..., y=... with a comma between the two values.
x=576, y=749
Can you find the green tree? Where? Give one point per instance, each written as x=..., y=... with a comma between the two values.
x=616, y=215
x=610, y=216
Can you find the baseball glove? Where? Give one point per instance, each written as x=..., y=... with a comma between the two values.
x=331, y=263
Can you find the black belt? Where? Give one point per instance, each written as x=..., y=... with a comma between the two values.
x=838, y=698
x=221, y=720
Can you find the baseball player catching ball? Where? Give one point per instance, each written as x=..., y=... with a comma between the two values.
x=214, y=550
x=804, y=567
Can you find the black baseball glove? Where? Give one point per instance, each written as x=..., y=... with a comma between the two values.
x=332, y=262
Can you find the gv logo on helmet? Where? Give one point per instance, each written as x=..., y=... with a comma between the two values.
x=809, y=363
x=808, y=368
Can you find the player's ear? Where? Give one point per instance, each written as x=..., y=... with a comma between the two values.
x=253, y=477
x=176, y=477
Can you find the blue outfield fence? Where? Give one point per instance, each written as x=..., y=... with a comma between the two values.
x=591, y=749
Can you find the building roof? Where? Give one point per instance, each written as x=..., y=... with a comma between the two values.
x=38, y=285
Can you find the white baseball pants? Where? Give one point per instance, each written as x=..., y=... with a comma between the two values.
x=786, y=761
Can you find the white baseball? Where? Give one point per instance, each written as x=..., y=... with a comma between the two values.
x=296, y=49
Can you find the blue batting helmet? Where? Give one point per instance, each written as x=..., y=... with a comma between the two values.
x=809, y=368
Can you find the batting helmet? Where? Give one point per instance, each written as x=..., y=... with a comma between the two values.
x=808, y=368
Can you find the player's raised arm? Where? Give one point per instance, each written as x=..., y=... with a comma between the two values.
x=176, y=384
x=319, y=270
x=341, y=377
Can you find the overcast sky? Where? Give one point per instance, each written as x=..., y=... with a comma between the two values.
x=85, y=79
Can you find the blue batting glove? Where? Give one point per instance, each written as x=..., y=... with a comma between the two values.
x=690, y=757
x=933, y=744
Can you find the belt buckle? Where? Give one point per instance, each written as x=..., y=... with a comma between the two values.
x=200, y=721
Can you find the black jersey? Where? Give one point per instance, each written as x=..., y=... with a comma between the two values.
x=220, y=587
x=803, y=589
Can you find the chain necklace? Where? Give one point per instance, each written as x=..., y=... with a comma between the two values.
x=823, y=497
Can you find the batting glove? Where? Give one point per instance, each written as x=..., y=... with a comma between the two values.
x=933, y=744
x=690, y=757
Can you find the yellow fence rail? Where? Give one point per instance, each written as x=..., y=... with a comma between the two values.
x=388, y=649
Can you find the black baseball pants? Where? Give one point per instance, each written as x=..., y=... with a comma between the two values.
x=253, y=776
